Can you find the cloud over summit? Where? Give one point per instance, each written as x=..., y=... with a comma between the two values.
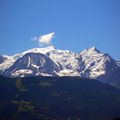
x=46, y=39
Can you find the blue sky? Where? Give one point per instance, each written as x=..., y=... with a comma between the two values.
x=78, y=24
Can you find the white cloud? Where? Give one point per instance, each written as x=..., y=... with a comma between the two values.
x=46, y=39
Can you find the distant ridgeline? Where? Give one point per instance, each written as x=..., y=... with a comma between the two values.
x=57, y=98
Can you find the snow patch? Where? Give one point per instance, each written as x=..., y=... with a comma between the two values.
x=21, y=72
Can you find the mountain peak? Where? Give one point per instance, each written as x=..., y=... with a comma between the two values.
x=90, y=51
x=43, y=50
x=93, y=49
x=50, y=47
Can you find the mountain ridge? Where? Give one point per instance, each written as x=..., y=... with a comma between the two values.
x=89, y=63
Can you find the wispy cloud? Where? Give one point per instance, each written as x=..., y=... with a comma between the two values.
x=34, y=38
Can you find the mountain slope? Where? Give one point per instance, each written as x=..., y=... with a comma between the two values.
x=2, y=59
x=57, y=98
x=33, y=64
x=6, y=62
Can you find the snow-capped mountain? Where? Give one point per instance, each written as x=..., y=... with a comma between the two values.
x=33, y=64
x=102, y=67
x=93, y=62
x=89, y=63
